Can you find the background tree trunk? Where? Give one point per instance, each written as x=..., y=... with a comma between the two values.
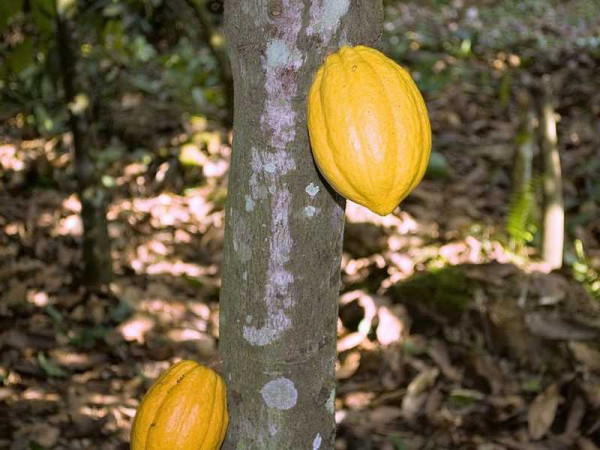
x=216, y=44
x=554, y=209
x=284, y=225
x=97, y=261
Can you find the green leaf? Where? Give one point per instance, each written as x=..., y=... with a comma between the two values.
x=438, y=168
x=520, y=222
x=397, y=441
x=121, y=312
x=54, y=314
x=8, y=8
x=51, y=369
x=21, y=56
x=505, y=89
x=113, y=10
x=43, y=16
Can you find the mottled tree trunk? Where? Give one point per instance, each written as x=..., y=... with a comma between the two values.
x=97, y=264
x=284, y=225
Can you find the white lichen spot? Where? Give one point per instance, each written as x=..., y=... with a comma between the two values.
x=279, y=54
x=312, y=190
x=326, y=16
x=248, y=318
x=280, y=394
x=272, y=429
x=330, y=404
x=333, y=12
x=317, y=442
x=249, y=203
x=276, y=323
x=279, y=161
x=266, y=166
x=310, y=211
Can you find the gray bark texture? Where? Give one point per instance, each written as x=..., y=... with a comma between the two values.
x=284, y=225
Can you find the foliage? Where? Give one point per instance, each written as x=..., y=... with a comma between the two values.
x=585, y=272
x=126, y=47
x=522, y=220
x=446, y=289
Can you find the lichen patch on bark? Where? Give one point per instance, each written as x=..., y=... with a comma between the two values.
x=249, y=203
x=281, y=62
x=240, y=238
x=280, y=394
x=268, y=168
x=325, y=18
x=330, y=404
x=312, y=190
x=310, y=211
x=317, y=442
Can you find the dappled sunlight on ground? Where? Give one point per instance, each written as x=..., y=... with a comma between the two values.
x=436, y=316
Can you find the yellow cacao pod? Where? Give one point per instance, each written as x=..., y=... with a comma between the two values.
x=185, y=409
x=369, y=128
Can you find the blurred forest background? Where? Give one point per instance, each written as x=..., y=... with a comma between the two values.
x=459, y=327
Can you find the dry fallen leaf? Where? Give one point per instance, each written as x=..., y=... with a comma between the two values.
x=550, y=326
x=543, y=411
x=586, y=354
x=586, y=444
x=42, y=433
x=417, y=392
x=384, y=414
x=439, y=353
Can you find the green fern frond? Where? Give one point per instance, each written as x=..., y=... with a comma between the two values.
x=520, y=223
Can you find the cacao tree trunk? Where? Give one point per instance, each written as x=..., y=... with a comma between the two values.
x=97, y=263
x=283, y=232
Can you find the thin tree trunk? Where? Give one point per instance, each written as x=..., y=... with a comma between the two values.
x=284, y=225
x=97, y=261
x=554, y=214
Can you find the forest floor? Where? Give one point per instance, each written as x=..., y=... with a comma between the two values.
x=450, y=336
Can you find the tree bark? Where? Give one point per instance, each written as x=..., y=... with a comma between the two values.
x=97, y=263
x=283, y=233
